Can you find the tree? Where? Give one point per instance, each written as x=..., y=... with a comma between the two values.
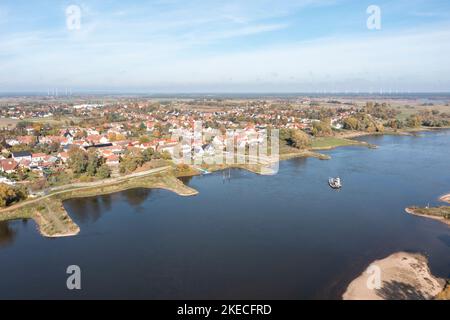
x=37, y=127
x=351, y=123
x=414, y=121
x=379, y=127
x=21, y=193
x=20, y=147
x=156, y=133
x=131, y=161
x=93, y=162
x=53, y=147
x=148, y=154
x=296, y=138
x=142, y=127
x=300, y=139
x=322, y=128
x=144, y=139
x=104, y=171
x=112, y=137
x=78, y=160
x=395, y=124
x=9, y=195
x=21, y=127
x=166, y=155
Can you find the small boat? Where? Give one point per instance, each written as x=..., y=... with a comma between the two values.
x=335, y=183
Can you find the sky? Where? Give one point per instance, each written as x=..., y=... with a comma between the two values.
x=160, y=46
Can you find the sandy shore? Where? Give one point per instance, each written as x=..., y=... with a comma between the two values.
x=403, y=276
x=445, y=198
x=402, y=132
x=356, y=134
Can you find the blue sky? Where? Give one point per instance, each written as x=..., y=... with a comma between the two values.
x=225, y=46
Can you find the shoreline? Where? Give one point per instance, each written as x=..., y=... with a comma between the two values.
x=413, y=211
x=400, y=132
x=441, y=214
x=402, y=276
x=52, y=219
x=445, y=198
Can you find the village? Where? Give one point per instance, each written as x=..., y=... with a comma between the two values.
x=64, y=141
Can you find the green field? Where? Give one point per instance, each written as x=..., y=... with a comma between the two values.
x=333, y=142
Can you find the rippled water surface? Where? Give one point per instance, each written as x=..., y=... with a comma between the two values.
x=284, y=236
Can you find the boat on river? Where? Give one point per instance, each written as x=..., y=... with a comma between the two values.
x=335, y=183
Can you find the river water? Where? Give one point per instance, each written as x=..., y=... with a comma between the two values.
x=287, y=236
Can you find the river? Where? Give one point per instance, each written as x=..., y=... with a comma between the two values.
x=287, y=236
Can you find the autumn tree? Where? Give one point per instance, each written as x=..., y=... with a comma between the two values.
x=414, y=121
x=351, y=123
x=9, y=195
x=300, y=139
x=131, y=161
x=93, y=162
x=144, y=139
x=165, y=155
x=148, y=154
x=322, y=128
x=296, y=138
x=78, y=160
x=104, y=171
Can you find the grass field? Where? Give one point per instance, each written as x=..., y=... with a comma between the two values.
x=333, y=142
x=407, y=111
x=11, y=123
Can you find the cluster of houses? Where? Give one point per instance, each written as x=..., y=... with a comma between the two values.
x=111, y=142
x=27, y=160
x=209, y=142
x=199, y=143
x=19, y=112
x=110, y=151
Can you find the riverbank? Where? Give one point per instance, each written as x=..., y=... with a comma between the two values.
x=329, y=143
x=441, y=213
x=445, y=198
x=401, y=132
x=265, y=166
x=403, y=276
x=52, y=219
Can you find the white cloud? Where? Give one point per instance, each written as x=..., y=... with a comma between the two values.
x=169, y=53
x=233, y=33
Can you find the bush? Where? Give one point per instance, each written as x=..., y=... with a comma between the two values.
x=104, y=172
x=10, y=195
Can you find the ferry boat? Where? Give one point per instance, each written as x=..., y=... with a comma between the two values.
x=335, y=183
